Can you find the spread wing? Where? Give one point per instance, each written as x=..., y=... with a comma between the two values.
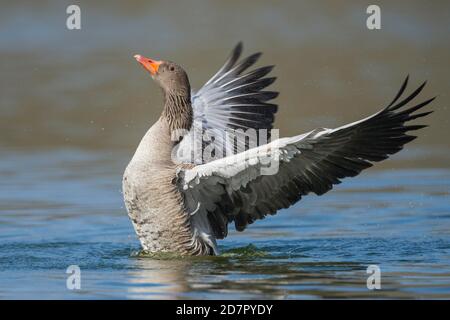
x=244, y=188
x=232, y=99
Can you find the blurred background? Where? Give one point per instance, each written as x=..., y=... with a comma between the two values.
x=74, y=104
x=82, y=89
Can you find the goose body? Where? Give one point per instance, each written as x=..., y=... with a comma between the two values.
x=180, y=200
x=154, y=204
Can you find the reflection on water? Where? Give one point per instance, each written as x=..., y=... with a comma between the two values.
x=158, y=279
x=64, y=207
x=74, y=104
x=293, y=275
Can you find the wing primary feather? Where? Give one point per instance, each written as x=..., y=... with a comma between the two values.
x=400, y=92
x=409, y=98
x=234, y=57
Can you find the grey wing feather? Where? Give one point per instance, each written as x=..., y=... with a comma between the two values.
x=231, y=99
x=312, y=162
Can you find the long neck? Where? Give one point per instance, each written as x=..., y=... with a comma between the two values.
x=178, y=111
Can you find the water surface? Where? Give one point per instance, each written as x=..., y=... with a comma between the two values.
x=65, y=208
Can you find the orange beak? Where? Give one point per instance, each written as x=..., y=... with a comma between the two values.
x=149, y=64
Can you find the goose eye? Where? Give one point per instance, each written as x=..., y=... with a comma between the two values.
x=171, y=68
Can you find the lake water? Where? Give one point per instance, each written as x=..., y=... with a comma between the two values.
x=74, y=105
x=65, y=208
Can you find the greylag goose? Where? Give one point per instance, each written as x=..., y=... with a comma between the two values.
x=186, y=182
